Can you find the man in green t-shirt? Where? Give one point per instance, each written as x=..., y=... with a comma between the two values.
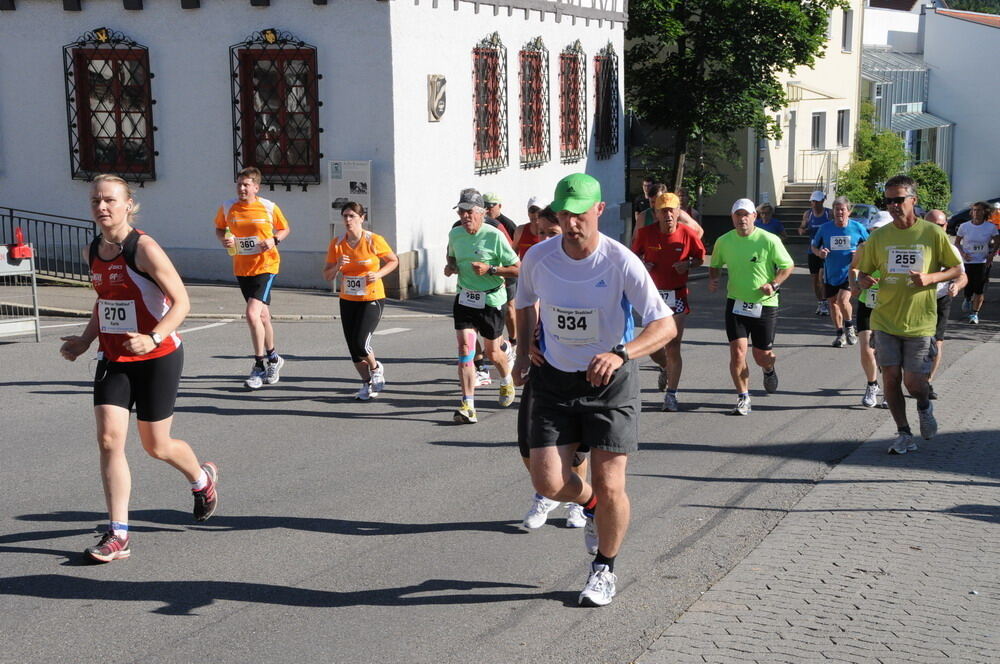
x=758, y=264
x=912, y=256
x=481, y=257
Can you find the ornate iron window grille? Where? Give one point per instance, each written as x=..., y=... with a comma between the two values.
x=572, y=103
x=489, y=86
x=606, y=104
x=534, y=76
x=275, y=88
x=109, y=107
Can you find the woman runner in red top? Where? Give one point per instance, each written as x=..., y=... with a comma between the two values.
x=140, y=303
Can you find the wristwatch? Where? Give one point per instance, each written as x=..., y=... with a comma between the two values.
x=492, y=270
x=157, y=339
x=276, y=240
x=621, y=352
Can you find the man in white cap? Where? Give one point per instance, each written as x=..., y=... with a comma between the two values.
x=758, y=264
x=812, y=219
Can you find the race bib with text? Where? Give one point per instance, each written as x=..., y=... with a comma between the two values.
x=117, y=316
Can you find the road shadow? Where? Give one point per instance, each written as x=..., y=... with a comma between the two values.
x=183, y=598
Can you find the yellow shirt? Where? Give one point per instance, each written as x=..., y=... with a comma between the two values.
x=364, y=259
x=250, y=223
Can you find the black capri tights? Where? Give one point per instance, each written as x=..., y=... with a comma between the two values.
x=360, y=320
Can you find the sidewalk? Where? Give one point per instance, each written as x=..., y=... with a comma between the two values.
x=888, y=559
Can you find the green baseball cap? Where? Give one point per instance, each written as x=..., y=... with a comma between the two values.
x=576, y=193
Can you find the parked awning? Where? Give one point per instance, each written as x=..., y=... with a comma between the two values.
x=914, y=121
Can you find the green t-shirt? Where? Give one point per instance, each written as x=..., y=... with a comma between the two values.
x=752, y=262
x=488, y=246
x=902, y=308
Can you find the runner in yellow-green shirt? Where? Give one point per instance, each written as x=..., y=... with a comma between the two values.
x=912, y=256
x=758, y=263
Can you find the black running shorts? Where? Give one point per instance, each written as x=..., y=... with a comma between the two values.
x=149, y=385
x=815, y=263
x=257, y=287
x=760, y=331
x=831, y=290
x=567, y=409
x=487, y=321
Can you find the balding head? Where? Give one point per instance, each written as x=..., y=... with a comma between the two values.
x=937, y=217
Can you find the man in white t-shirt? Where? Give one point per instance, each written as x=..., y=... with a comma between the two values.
x=585, y=388
x=977, y=242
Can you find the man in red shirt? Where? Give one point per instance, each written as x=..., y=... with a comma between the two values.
x=669, y=250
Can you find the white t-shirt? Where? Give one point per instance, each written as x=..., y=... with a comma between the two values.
x=942, y=286
x=585, y=306
x=976, y=240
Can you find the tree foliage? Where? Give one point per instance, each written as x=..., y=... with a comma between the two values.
x=712, y=67
x=985, y=6
x=933, y=187
x=878, y=155
x=710, y=159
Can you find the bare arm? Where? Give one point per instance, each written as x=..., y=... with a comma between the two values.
x=151, y=259
x=654, y=336
x=688, y=220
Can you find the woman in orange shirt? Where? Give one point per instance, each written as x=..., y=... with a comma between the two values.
x=362, y=258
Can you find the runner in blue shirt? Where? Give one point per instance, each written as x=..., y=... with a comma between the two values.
x=812, y=219
x=836, y=242
x=767, y=221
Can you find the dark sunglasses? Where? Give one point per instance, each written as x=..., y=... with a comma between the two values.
x=898, y=200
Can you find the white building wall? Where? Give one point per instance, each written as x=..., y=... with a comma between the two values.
x=966, y=92
x=189, y=57
x=893, y=28
x=435, y=160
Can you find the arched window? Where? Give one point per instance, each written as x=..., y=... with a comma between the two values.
x=489, y=90
x=572, y=103
x=534, y=75
x=109, y=107
x=276, y=108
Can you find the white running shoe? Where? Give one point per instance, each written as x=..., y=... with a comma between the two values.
x=256, y=378
x=600, y=588
x=824, y=308
x=903, y=444
x=510, y=352
x=378, y=378
x=928, y=423
x=852, y=335
x=271, y=372
x=365, y=393
x=575, y=518
x=538, y=513
x=840, y=341
x=590, y=535
x=870, y=400
x=483, y=378
x=742, y=407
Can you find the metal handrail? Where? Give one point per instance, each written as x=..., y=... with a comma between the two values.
x=58, y=241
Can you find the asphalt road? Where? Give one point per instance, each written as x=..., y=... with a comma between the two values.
x=382, y=532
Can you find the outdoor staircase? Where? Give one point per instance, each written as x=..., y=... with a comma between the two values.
x=794, y=203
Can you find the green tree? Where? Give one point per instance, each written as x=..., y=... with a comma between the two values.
x=933, y=187
x=711, y=67
x=986, y=6
x=878, y=155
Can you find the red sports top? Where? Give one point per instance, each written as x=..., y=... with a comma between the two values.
x=526, y=241
x=128, y=300
x=662, y=250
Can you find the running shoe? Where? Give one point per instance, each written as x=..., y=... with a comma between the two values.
x=669, y=403
x=771, y=381
x=590, y=534
x=111, y=547
x=973, y=318
x=661, y=380
x=576, y=518
x=819, y=308
x=903, y=444
x=824, y=309
x=600, y=588
x=852, y=335
x=967, y=305
x=928, y=423
x=742, y=407
x=207, y=500
x=378, y=378
x=870, y=400
x=483, y=377
x=271, y=373
x=465, y=415
x=256, y=378
x=840, y=341
x=538, y=513
x=507, y=394
x=365, y=393
x=931, y=394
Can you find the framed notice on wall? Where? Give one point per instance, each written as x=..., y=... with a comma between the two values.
x=349, y=181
